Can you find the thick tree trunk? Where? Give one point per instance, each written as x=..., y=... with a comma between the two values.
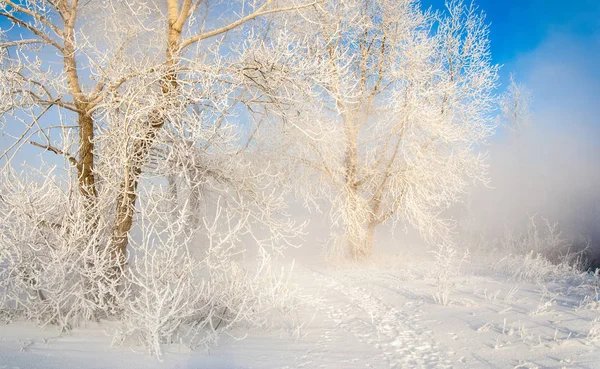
x=123, y=222
x=85, y=163
x=85, y=121
x=133, y=168
x=361, y=245
x=361, y=216
x=129, y=191
x=354, y=217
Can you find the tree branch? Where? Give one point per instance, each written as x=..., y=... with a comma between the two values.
x=259, y=12
x=8, y=44
x=35, y=15
x=34, y=30
x=57, y=151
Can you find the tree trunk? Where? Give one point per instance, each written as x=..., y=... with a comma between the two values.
x=85, y=121
x=85, y=164
x=361, y=247
x=134, y=165
x=123, y=221
x=354, y=217
x=129, y=192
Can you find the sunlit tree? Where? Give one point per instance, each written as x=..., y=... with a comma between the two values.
x=150, y=107
x=403, y=104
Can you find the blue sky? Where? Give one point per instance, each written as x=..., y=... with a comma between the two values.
x=520, y=26
x=552, y=46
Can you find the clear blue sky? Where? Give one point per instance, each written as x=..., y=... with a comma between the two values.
x=519, y=26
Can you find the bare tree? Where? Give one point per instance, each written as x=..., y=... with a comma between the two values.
x=403, y=102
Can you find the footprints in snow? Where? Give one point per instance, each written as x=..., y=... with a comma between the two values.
x=396, y=334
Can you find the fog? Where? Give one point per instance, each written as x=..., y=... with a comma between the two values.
x=552, y=168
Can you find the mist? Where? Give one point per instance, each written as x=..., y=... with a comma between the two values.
x=551, y=168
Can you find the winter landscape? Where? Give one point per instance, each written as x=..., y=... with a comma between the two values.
x=299, y=184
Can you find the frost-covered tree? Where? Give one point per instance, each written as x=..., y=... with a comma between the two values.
x=515, y=105
x=403, y=102
x=144, y=115
x=141, y=65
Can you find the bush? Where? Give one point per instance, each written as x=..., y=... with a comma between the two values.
x=538, y=254
x=180, y=284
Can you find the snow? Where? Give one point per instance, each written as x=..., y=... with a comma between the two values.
x=376, y=316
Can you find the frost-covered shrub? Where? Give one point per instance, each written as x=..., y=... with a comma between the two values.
x=533, y=268
x=55, y=267
x=545, y=239
x=594, y=330
x=540, y=253
x=176, y=295
x=180, y=283
x=446, y=269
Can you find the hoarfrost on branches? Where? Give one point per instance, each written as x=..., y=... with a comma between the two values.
x=402, y=104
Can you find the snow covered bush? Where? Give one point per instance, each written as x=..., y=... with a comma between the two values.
x=445, y=270
x=187, y=286
x=541, y=239
x=594, y=330
x=537, y=254
x=54, y=263
x=180, y=284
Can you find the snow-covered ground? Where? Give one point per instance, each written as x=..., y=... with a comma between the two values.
x=368, y=317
